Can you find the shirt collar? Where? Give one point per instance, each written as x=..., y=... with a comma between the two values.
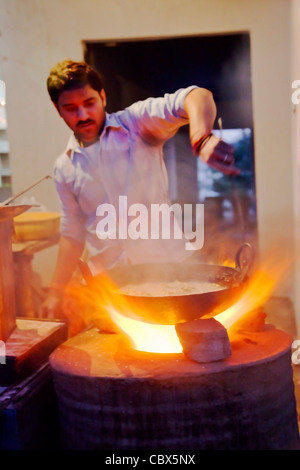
x=73, y=146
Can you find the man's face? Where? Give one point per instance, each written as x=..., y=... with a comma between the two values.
x=83, y=110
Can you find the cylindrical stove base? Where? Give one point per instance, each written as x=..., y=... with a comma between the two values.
x=114, y=398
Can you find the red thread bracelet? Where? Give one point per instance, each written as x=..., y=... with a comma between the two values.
x=200, y=143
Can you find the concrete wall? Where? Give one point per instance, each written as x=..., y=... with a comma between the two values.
x=35, y=34
x=295, y=43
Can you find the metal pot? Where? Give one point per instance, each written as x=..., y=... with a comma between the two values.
x=174, y=309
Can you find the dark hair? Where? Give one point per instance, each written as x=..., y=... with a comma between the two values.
x=68, y=75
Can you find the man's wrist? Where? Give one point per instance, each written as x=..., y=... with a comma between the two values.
x=199, y=144
x=56, y=291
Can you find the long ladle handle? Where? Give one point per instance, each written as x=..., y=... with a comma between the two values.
x=10, y=199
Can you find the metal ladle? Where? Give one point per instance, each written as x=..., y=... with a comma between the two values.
x=12, y=198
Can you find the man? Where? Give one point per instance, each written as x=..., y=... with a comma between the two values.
x=109, y=155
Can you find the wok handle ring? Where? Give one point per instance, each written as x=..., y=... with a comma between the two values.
x=243, y=265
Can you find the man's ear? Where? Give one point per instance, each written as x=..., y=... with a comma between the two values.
x=103, y=97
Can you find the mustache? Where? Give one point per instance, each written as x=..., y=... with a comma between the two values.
x=87, y=121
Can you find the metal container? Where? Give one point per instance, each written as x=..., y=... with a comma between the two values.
x=174, y=309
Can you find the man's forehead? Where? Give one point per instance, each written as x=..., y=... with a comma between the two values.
x=77, y=94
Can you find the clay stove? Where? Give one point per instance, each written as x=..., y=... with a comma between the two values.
x=113, y=397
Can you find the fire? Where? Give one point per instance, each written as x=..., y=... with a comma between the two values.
x=257, y=293
x=229, y=262
x=246, y=312
x=147, y=337
x=112, y=310
x=109, y=311
x=143, y=336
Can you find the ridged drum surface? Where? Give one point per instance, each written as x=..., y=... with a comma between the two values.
x=156, y=402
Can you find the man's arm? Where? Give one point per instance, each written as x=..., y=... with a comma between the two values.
x=157, y=119
x=69, y=252
x=201, y=110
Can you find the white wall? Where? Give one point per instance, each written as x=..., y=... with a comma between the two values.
x=295, y=42
x=35, y=34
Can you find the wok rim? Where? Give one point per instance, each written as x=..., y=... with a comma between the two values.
x=227, y=286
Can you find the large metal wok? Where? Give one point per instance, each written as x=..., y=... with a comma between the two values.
x=173, y=309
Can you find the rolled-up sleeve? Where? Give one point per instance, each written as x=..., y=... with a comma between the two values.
x=73, y=220
x=158, y=119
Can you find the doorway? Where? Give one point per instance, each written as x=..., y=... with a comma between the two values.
x=133, y=70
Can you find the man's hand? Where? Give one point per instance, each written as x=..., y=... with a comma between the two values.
x=218, y=155
x=51, y=307
x=69, y=252
x=201, y=110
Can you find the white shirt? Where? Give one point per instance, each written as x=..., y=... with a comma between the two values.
x=126, y=161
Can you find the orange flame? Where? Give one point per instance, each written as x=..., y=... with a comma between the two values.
x=246, y=310
x=147, y=337
x=143, y=336
x=111, y=312
x=257, y=293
